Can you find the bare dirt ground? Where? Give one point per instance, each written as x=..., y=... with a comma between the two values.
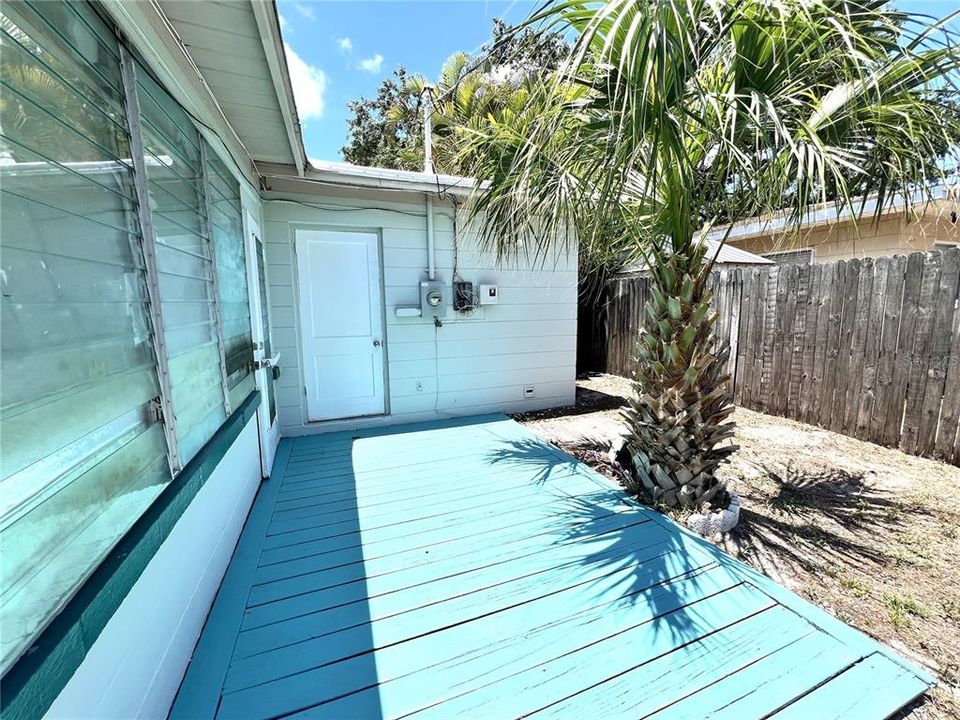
x=868, y=533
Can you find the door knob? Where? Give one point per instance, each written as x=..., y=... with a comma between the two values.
x=376, y=343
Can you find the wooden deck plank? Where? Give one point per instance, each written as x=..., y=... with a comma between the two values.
x=521, y=692
x=373, y=516
x=767, y=685
x=507, y=521
x=708, y=661
x=467, y=568
x=495, y=648
x=869, y=689
x=472, y=548
x=499, y=644
x=504, y=583
x=534, y=552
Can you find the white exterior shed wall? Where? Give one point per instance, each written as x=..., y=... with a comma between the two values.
x=471, y=365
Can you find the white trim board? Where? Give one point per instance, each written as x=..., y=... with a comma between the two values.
x=135, y=666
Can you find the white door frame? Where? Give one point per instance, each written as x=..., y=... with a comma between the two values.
x=315, y=411
x=263, y=375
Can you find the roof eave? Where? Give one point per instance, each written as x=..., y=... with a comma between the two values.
x=268, y=25
x=823, y=215
x=344, y=175
x=150, y=31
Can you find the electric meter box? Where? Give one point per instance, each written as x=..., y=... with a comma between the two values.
x=489, y=295
x=434, y=299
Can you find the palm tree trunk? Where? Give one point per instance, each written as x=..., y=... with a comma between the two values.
x=677, y=418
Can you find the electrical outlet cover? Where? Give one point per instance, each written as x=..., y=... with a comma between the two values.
x=489, y=295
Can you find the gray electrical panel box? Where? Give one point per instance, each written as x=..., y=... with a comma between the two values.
x=434, y=298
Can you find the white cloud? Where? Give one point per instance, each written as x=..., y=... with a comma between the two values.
x=345, y=44
x=284, y=25
x=305, y=10
x=309, y=85
x=371, y=64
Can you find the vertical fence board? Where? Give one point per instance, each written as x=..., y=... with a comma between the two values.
x=922, y=349
x=832, y=361
x=871, y=347
x=858, y=340
x=758, y=343
x=742, y=377
x=827, y=274
x=904, y=357
x=736, y=313
x=796, y=340
x=948, y=441
x=848, y=312
x=772, y=331
x=811, y=316
x=887, y=347
x=940, y=341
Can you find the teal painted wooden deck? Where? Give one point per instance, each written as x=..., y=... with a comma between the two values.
x=468, y=569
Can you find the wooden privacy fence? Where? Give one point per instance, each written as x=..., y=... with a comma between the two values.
x=868, y=348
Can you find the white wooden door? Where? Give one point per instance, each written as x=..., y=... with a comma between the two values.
x=341, y=323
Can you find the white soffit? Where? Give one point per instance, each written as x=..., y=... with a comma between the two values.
x=238, y=50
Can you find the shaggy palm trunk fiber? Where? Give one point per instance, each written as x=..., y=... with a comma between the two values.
x=677, y=417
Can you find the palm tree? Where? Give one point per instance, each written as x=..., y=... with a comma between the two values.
x=673, y=117
x=464, y=98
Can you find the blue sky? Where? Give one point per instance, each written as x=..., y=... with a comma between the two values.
x=342, y=51
x=339, y=51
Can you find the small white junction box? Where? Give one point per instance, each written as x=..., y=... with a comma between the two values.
x=489, y=295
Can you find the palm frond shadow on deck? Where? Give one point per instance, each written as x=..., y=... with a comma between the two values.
x=642, y=564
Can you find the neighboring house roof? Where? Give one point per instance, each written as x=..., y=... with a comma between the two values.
x=728, y=255
x=827, y=214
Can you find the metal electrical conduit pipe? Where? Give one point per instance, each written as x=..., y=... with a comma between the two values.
x=428, y=168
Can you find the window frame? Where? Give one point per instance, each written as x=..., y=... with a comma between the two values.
x=161, y=407
x=164, y=403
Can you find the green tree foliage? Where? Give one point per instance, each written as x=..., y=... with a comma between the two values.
x=672, y=117
x=387, y=131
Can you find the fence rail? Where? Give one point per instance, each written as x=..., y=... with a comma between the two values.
x=868, y=348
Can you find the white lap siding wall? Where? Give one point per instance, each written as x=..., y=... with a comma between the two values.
x=472, y=364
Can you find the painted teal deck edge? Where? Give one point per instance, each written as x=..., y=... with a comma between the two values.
x=815, y=615
x=33, y=683
x=209, y=664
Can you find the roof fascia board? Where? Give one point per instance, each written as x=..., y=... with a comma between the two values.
x=268, y=25
x=374, y=179
x=150, y=32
